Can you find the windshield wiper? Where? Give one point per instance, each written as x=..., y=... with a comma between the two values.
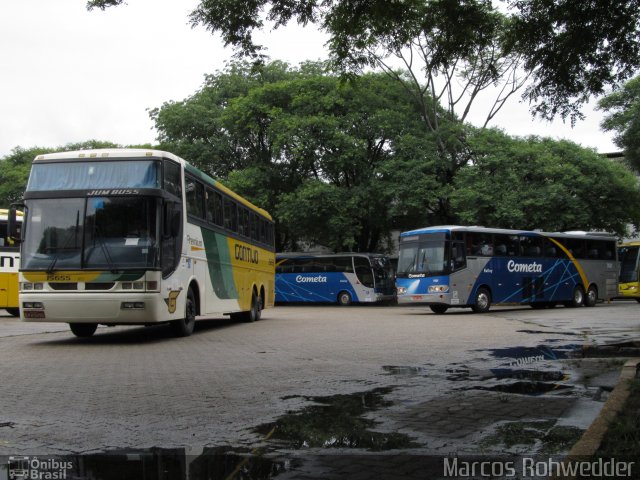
x=105, y=249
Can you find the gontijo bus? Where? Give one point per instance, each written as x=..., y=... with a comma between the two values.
x=9, y=260
x=629, y=257
x=456, y=266
x=132, y=236
x=340, y=278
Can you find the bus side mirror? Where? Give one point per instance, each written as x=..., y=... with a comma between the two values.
x=14, y=228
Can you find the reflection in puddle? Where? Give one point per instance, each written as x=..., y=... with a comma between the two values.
x=524, y=388
x=405, y=371
x=337, y=422
x=152, y=464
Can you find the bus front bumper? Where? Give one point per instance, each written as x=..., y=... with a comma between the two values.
x=128, y=309
x=425, y=298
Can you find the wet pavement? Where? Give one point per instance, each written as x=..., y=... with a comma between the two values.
x=313, y=392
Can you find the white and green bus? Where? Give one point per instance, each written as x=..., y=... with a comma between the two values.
x=139, y=237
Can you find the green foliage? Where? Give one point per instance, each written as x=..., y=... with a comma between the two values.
x=571, y=49
x=287, y=136
x=624, y=119
x=542, y=183
x=574, y=49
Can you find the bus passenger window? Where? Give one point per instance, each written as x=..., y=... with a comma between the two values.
x=195, y=198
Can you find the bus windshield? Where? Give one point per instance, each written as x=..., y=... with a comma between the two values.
x=92, y=233
x=93, y=175
x=628, y=257
x=427, y=257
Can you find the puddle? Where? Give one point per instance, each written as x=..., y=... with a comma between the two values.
x=619, y=349
x=337, y=422
x=402, y=371
x=544, y=436
x=544, y=332
x=525, y=388
x=521, y=356
x=154, y=464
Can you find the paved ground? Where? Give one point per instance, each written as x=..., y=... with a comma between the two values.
x=511, y=381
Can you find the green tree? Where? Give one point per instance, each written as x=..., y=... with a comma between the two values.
x=547, y=184
x=290, y=137
x=572, y=49
x=623, y=107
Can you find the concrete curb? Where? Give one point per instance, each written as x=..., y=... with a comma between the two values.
x=592, y=438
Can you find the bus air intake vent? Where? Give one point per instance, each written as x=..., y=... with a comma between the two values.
x=99, y=286
x=63, y=286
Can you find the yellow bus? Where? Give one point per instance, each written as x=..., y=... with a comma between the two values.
x=9, y=260
x=139, y=237
x=629, y=281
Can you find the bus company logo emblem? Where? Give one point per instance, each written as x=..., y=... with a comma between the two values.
x=316, y=279
x=195, y=243
x=514, y=267
x=246, y=254
x=172, y=300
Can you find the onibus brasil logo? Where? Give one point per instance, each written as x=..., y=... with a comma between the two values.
x=34, y=468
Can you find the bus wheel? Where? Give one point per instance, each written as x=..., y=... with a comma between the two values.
x=438, y=308
x=253, y=315
x=83, y=329
x=13, y=311
x=592, y=297
x=184, y=326
x=344, y=298
x=578, y=298
x=483, y=301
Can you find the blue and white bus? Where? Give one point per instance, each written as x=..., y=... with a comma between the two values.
x=454, y=266
x=342, y=278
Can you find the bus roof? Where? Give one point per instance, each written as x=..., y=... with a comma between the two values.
x=480, y=229
x=139, y=153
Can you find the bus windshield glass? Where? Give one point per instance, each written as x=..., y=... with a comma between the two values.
x=94, y=175
x=425, y=257
x=628, y=257
x=92, y=233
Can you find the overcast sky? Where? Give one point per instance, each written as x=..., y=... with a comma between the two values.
x=69, y=75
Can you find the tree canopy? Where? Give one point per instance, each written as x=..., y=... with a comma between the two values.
x=342, y=164
x=570, y=49
x=623, y=107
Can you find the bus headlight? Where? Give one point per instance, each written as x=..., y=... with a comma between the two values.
x=32, y=286
x=438, y=288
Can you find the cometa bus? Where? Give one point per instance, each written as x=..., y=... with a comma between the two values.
x=456, y=266
x=139, y=237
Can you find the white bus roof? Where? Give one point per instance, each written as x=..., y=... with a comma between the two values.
x=480, y=229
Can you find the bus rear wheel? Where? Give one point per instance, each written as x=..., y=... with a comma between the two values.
x=344, y=298
x=482, y=302
x=83, y=330
x=184, y=326
x=255, y=311
x=591, y=298
x=439, y=308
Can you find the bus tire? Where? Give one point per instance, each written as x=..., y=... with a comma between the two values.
x=83, y=330
x=482, y=302
x=254, y=313
x=344, y=298
x=13, y=311
x=577, y=299
x=439, y=308
x=591, y=297
x=184, y=326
